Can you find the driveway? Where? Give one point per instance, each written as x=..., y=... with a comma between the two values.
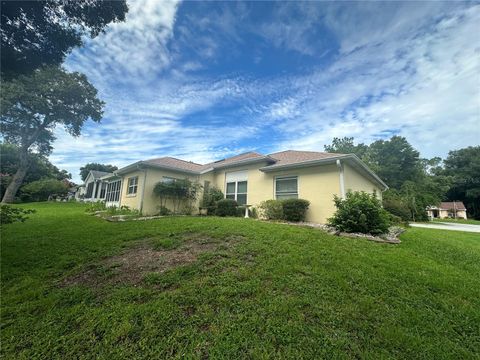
x=449, y=226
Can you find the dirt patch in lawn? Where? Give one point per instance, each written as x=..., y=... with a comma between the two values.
x=148, y=257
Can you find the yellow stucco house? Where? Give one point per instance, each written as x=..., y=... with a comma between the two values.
x=250, y=178
x=449, y=209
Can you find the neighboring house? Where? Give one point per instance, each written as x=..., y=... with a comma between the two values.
x=453, y=209
x=249, y=178
x=95, y=186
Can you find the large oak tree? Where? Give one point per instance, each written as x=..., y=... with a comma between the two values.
x=32, y=106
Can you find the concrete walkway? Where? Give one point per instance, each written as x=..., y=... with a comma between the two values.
x=449, y=226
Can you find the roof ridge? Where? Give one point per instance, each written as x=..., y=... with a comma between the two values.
x=171, y=157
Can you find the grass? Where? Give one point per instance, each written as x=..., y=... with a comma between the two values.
x=459, y=221
x=278, y=292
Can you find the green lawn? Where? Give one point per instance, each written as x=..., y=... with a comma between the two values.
x=459, y=221
x=256, y=290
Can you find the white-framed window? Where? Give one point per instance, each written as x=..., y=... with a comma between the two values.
x=236, y=186
x=237, y=190
x=286, y=187
x=168, y=179
x=132, y=185
x=113, y=191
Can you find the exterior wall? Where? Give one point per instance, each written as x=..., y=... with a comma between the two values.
x=151, y=202
x=132, y=200
x=443, y=214
x=316, y=184
x=356, y=181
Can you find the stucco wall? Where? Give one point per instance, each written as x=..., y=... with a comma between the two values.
x=356, y=181
x=317, y=184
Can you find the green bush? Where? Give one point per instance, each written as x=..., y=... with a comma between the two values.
x=271, y=210
x=226, y=207
x=360, y=212
x=10, y=214
x=295, y=209
x=397, y=207
x=164, y=211
x=40, y=190
x=96, y=206
x=122, y=210
x=210, y=198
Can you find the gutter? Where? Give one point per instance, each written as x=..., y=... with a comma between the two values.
x=342, y=178
x=143, y=186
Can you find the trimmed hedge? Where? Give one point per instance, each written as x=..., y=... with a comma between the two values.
x=226, y=207
x=295, y=209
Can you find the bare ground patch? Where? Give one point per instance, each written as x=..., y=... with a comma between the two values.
x=131, y=266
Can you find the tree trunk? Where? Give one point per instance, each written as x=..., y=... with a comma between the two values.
x=17, y=180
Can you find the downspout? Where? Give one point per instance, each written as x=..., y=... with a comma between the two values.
x=143, y=187
x=342, y=179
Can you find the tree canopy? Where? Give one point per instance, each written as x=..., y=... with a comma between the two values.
x=32, y=106
x=38, y=33
x=84, y=170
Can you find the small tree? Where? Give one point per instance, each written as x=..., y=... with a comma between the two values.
x=40, y=190
x=179, y=191
x=210, y=198
x=31, y=107
x=360, y=212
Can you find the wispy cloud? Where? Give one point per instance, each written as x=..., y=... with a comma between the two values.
x=195, y=80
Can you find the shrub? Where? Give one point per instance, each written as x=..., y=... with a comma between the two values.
x=360, y=212
x=397, y=207
x=180, y=191
x=96, y=206
x=226, y=207
x=271, y=210
x=10, y=214
x=164, y=211
x=210, y=198
x=122, y=210
x=295, y=209
x=40, y=190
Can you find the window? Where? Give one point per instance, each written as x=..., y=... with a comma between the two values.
x=237, y=190
x=113, y=191
x=132, y=185
x=89, y=193
x=168, y=180
x=286, y=187
x=102, y=190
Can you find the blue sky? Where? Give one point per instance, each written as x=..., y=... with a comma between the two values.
x=203, y=81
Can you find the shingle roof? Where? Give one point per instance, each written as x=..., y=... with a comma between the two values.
x=294, y=157
x=448, y=205
x=233, y=159
x=98, y=174
x=175, y=163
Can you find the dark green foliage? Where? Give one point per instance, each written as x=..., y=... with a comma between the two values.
x=360, y=212
x=463, y=166
x=32, y=107
x=394, y=204
x=209, y=200
x=164, y=211
x=226, y=207
x=295, y=209
x=36, y=33
x=41, y=190
x=84, y=170
x=40, y=168
x=345, y=145
x=271, y=209
x=9, y=214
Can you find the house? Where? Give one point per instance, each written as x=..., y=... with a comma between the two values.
x=95, y=185
x=249, y=178
x=452, y=209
